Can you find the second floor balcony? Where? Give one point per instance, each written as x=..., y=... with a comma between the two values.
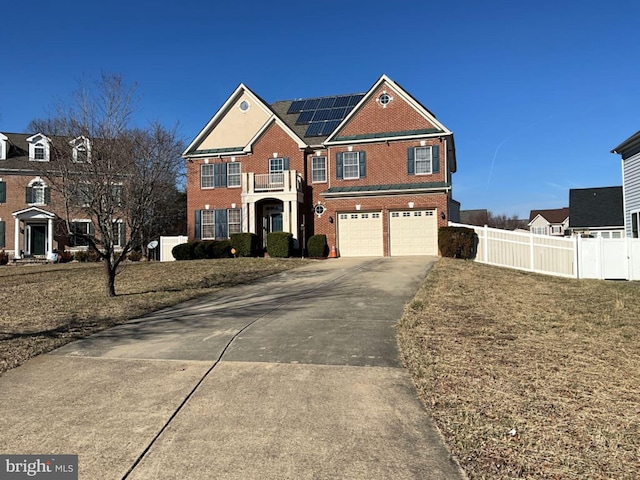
x=288, y=181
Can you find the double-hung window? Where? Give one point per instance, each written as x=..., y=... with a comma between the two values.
x=207, y=175
x=318, y=169
x=233, y=174
x=218, y=223
x=423, y=160
x=276, y=171
x=635, y=221
x=351, y=165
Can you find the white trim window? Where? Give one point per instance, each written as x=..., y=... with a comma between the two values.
x=4, y=142
x=37, y=192
x=423, y=158
x=39, y=147
x=235, y=220
x=635, y=222
x=207, y=175
x=118, y=233
x=81, y=150
x=233, y=174
x=318, y=169
x=208, y=224
x=351, y=165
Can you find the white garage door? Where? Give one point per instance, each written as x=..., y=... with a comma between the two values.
x=413, y=232
x=360, y=234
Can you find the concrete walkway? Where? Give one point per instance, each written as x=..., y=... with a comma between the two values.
x=293, y=377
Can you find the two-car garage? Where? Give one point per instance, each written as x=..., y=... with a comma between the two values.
x=410, y=232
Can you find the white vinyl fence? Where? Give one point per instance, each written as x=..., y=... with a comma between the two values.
x=167, y=244
x=576, y=257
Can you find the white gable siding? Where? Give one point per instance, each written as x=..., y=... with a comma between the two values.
x=631, y=182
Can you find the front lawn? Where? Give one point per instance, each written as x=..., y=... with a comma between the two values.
x=45, y=307
x=528, y=376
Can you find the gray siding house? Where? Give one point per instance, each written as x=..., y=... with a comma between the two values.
x=629, y=150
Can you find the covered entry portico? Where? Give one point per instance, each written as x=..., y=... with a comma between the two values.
x=37, y=226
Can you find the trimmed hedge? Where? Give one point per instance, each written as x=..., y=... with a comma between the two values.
x=202, y=249
x=317, y=246
x=457, y=242
x=246, y=244
x=279, y=244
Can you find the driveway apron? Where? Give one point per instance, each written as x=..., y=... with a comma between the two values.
x=296, y=376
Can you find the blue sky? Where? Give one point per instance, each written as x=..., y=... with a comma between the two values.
x=536, y=93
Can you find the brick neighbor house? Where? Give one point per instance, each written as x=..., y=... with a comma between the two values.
x=31, y=213
x=372, y=171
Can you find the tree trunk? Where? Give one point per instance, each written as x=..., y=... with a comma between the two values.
x=111, y=278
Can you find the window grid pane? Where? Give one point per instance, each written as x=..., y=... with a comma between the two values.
x=208, y=224
x=233, y=175
x=423, y=160
x=318, y=169
x=206, y=176
x=234, y=220
x=350, y=163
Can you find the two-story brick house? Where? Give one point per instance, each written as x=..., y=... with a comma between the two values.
x=372, y=171
x=31, y=212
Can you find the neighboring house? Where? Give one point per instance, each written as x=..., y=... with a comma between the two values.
x=549, y=222
x=597, y=212
x=31, y=214
x=629, y=150
x=372, y=171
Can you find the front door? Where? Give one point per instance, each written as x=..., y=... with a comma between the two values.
x=271, y=221
x=38, y=239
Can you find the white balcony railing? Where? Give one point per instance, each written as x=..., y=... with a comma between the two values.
x=287, y=181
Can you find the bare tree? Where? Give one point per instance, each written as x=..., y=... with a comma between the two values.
x=103, y=170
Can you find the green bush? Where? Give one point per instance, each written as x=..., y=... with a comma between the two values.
x=81, y=256
x=201, y=250
x=279, y=244
x=219, y=249
x=457, y=242
x=317, y=246
x=246, y=244
x=184, y=251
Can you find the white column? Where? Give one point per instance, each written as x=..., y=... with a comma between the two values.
x=251, y=218
x=49, y=251
x=294, y=220
x=286, y=217
x=16, y=238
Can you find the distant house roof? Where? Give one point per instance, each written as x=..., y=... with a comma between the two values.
x=555, y=215
x=596, y=207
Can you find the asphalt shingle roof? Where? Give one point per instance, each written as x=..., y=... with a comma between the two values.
x=555, y=215
x=596, y=207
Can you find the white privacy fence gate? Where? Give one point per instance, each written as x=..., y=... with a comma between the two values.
x=576, y=257
x=167, y=244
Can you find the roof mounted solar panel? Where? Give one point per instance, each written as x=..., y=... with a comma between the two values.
x=296, y=106
x=338, y=113
x=315, y=129
x=327, y=102
x=311, y=104
x=341, y=101
x=329, y=127
x=322, y=115
x=305, y=117
x=354, y=99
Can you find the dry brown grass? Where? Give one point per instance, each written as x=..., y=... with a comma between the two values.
x=528, y=376
x=45, y=307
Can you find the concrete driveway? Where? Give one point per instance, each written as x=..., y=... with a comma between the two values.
x=293, y=377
